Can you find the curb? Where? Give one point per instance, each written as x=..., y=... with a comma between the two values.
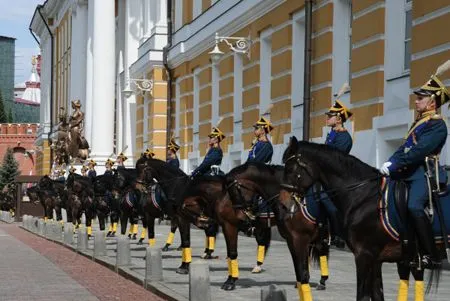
x=157, y=288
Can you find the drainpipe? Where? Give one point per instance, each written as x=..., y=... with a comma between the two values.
x=169, y=72
x=39, y=7
x=307, y=73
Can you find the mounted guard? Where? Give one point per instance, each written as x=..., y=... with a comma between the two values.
x=92, y=173
x=149, y=154
x=416, y=164
x=109, y=165
x=213, y=159
x=84, y=170
x=121, y=158
x=172, y=150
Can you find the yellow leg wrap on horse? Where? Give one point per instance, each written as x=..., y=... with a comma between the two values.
x=212, y=243
x=169, y=240
x=110, y=228
x=114, y=227
x=151, y=242
x=229, y=266
x=304, y=292
x=403, y=290
x=260, y=255
x=419, y=291
x=135, y=229
x=45, y=219
x=234, y=268
x=143, y=233
x=89, y=230
x=324, y=266
x=186, y=255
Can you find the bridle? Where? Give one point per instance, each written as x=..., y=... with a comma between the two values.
x=301, y=164
x=239, y=186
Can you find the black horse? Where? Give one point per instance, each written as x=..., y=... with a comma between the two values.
x=81, y=199
x=355, y=188
x=102, y=186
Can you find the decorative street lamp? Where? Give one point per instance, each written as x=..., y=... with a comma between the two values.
x=144, y=85
x=237, y=44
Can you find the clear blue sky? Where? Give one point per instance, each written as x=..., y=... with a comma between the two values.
x=15, y=17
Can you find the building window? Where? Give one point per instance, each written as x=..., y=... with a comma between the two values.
x=408, y=30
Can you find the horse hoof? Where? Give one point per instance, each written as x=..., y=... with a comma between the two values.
x=140, y=241
x=113, y=234
x=257, y=269
x=206, y=256
x=134, y=237
x=165, y=248
x=108, y=234
x=321, y=287
x=229, y=287
x=182, y=270
x=129, y=236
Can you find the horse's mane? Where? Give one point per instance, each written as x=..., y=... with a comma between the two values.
x=345, y=164
x=259, y=166
x=127, y=172
x=165, y=169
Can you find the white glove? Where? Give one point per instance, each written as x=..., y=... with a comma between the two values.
x=385, y=168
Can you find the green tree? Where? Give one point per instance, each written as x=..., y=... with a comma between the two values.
x=10, y=116
x=2, y=110
x=9, y=169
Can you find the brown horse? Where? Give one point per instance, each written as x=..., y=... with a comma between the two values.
x=215, y=198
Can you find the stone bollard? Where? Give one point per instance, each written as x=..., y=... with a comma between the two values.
x=99, y=244
x=82, y=240
x=49, y=230
x=58, y=232
x=199, y=286
x=41, y=227
x=68, y=234
x=34, y=224
x=123, y=256
x=24, y=220
x=273, y=293
x=153, y=265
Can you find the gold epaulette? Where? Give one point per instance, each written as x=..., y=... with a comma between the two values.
x=436, y=116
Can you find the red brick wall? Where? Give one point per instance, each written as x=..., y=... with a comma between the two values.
x=21, y=138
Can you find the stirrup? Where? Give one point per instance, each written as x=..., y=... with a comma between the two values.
x=249, y=214
x=203, y=218
x=429, y=263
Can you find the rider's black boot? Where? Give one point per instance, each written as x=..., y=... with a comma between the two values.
x=425, y=235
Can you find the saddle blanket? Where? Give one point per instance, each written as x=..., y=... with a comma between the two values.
x=391, y=217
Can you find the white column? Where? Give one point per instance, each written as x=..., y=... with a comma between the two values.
x=162, y=13
x=89, y=74
x=237, y=104
x=104, y=79
x=78, y=53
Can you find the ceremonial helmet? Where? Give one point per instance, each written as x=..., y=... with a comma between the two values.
x=435, y=88
x=264, y=123
x=173, y=145
x=109, y=162
x=92, y=162
x=148, y=153
x=217, y=133
x=122, y=156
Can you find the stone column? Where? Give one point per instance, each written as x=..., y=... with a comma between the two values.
x=104, y=61
x=78, y=52
x=89, y=74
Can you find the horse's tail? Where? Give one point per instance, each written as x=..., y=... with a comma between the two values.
x=433, y=279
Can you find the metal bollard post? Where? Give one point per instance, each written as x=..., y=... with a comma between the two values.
x=82, y=240
x=153, y=265
x=273, y=293
x=199, y=285
x=123, y=256
x=99, y=244
x=68, y=234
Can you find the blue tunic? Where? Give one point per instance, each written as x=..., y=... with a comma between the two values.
x=340, y=140
x=261, y=151
x=426, y=137
x=108, y=172
x=174, y=162
x=92, y=174
x=213, y=157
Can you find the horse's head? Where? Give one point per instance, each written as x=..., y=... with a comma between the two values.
x=300, y=172
x=45, y=182
x=33, y=194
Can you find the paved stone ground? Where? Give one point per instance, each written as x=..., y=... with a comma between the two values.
x=278, y=270
x=32, y=268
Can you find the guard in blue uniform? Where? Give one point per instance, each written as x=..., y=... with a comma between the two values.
x=84, y=170
x=121, y=158
x=108, y=165
x=340, y=139
x=261, y=151
x=213, y=158
x=72, y=170
x=92, y=173
x=172, y=149
x=61, y=177
x=425, y=139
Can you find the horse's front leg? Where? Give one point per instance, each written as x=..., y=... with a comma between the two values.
x=364, y=276
x=403, y=272
x=298, y=247
x=186, y=256
x=377, y=287
x=263, y=236
x=230, y=233
x=170, y=237
x=151, y=230
x=419, y=288
x=144, y=229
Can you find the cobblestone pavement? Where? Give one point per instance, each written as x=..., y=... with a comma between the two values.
x=32, y=268
x=278, y=269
